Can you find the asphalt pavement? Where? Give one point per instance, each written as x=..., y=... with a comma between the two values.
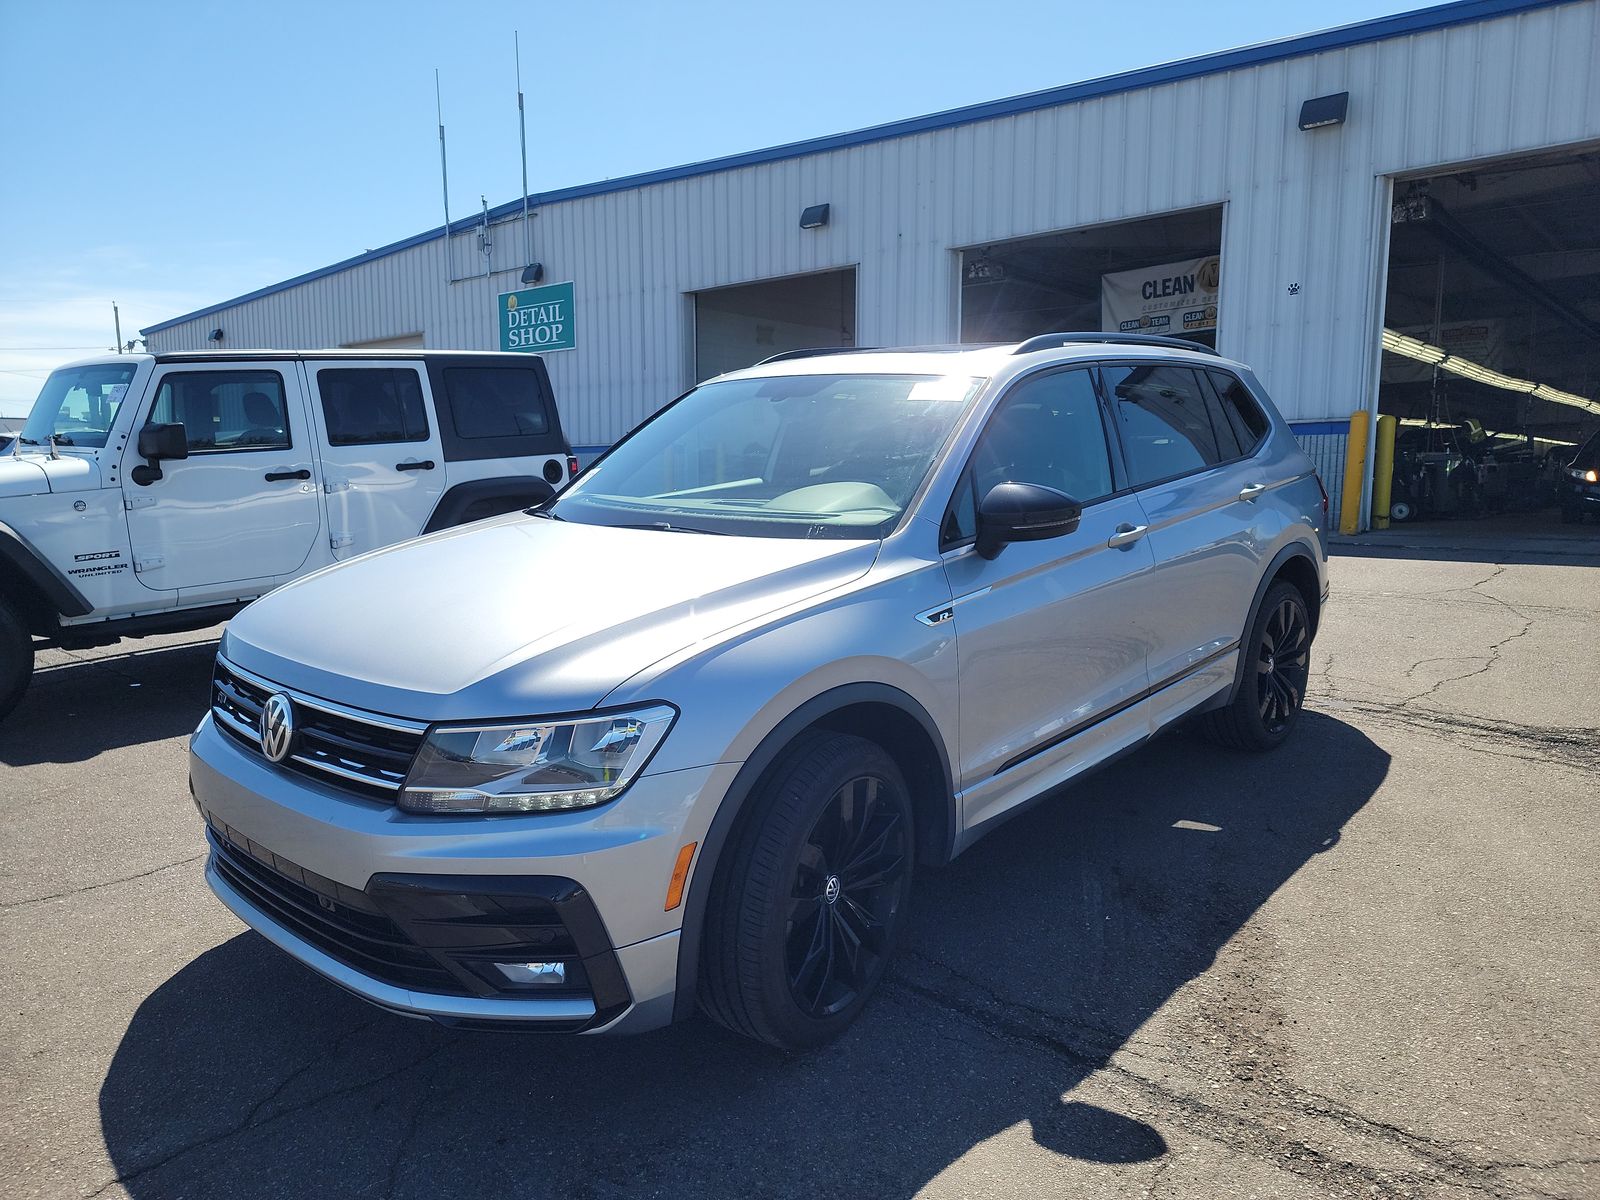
x=1367, y=964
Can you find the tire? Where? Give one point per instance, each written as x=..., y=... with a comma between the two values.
x=16, y=657
x=1277, y=665
x=783, y=919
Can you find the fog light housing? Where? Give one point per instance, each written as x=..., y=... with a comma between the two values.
x=540, y=974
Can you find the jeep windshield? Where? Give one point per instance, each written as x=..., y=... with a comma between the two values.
x=799, y=456
x=78, y=404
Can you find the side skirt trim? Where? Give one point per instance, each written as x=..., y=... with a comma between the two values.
x=1073, y=731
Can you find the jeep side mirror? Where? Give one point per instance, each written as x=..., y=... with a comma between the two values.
x=158, y=442
x=1023, y=512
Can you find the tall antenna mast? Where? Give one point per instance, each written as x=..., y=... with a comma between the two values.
x=522, y=129
x=444, y=172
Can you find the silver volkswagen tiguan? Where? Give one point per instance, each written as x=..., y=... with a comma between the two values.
x=678, y=738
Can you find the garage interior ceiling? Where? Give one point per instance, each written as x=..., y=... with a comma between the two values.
x=1014, y=290
x=1526, y=265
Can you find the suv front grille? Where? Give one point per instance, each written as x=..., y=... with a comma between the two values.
x=338, y=920
x=360, y=752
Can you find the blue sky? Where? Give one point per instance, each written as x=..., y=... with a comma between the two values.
x=173, y=154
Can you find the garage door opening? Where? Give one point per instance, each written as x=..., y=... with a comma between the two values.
x=1491, y=340
x=1158, y=275
x=739, y=326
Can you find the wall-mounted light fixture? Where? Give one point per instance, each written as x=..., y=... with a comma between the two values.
x=1324, y=110
x=815, y=217
x=532, y=273
x=214, y=336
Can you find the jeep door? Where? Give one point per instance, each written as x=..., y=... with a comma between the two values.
x=1051, y=636
x=383, y=464
x=1197, y=483
x=241, y=512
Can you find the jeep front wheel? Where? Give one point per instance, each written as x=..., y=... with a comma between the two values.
x=804, y=917
x=16, y=657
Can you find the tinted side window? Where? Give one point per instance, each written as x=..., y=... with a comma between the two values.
x=366, y=406
x=1046, y=430
x=490, y=402
x=1161, y=413
x=225, y=410
x=1243, y=414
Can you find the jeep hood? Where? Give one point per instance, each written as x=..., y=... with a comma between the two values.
x=21, y=477
x=34, y=474
x=521, y=615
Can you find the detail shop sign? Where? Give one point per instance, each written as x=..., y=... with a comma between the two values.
x=1172, y=298
x=538, y=319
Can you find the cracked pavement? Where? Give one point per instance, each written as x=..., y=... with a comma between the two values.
x=1364, y=966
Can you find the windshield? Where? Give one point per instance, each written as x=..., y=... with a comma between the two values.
x=78, y=404
x=801, y=456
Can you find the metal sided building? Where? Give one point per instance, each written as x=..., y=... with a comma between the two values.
x=1396, y=216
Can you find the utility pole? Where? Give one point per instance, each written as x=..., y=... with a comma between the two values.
x=522, y=129
x=116, y=319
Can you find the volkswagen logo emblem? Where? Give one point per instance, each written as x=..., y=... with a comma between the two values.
x=277, y=727
x=830, y=890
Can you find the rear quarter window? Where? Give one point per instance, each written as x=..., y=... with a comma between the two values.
x=495, y=402
x=495, y=407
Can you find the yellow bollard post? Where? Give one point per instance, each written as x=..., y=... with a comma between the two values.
x=1355, y=462
x=1383, y=471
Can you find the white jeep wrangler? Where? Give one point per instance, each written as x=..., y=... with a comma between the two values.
x=159, y=493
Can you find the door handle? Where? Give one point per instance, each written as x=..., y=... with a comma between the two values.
x=425, y=465
x=276, y=476
x=1251, y=490
x=1127, y=535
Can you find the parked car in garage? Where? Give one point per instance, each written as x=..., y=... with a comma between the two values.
x=1579, y=488
x=157, y=493
x=854, y=610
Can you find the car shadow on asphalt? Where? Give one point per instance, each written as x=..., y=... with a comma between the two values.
x=76, y=710
x=1028, y=964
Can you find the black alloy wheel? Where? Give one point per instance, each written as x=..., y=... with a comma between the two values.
x=1275, y=668
x=806, y=905
x=1283, y=664
x=848, y=886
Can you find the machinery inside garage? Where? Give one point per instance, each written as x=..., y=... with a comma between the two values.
x=1492, y=339
x=1158, y=275
x=739, y=326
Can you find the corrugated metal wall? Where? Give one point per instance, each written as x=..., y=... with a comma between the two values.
x=1305, y=229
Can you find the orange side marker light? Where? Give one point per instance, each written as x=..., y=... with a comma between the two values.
x=680, y=876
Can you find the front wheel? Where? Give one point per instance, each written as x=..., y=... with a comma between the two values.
x=16, y=657
x=1277, y=666
x=805, y=912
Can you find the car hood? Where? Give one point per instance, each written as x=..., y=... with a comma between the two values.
x=22, y=476
x=33, y=473
x=521, y=615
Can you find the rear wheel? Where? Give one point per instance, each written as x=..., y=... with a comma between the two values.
x=804, y=915
x=1277, y=667
x=16, y=657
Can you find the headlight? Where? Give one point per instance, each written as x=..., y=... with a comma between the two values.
x=1582, y=476
x=533, y=765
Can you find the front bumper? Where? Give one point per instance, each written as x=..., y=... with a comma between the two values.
x=292, y=858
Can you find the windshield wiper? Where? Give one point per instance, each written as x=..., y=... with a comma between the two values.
x=662, y=525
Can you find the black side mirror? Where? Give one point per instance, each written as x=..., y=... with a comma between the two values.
x=157, y=442
x=1024, y=512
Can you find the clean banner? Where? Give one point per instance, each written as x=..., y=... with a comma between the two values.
x=1172, y=298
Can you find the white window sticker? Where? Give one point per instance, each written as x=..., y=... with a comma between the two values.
x=950, y=388
x=115, y=395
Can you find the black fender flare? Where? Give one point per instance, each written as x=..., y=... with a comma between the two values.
x=41, y=584
x=520, y=491
x=1295, y=549
x=744, y=783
